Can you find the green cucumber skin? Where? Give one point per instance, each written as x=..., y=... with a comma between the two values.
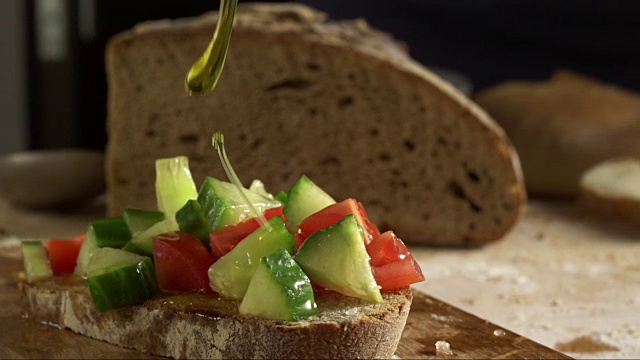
x=304, y=198
x=336, y=257
x=282, y=198
x=231, y=274
x=279, y=290
x=123, y=286
x=36, y=261
x=191, y=219
x=140, y=220
x=223, y=205
x=111, y=232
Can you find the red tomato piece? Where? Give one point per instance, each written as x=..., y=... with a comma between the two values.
x=386, y=249
x=398, y=274
x=334, y=213
x=63, y=254
x=181, y=261
x=225, y=239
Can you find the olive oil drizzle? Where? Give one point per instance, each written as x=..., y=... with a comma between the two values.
x=205, y=72
x=217, y=140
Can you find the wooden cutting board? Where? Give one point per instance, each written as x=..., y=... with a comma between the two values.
x=430, y=320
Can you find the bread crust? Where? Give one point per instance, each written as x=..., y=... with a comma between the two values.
x=340, y=102
x=197, y=326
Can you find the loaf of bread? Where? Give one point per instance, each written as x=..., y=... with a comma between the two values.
x=564, y=126
x=612, y=189
x=338, y=101
x=201, y=327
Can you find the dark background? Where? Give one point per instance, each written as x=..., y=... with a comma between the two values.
x=488, y=41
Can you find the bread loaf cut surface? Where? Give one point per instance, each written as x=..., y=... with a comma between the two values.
x=200, y=326
x=337, y=101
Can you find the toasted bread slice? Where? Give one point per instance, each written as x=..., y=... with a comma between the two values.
x=338, y=101
x=201, y=326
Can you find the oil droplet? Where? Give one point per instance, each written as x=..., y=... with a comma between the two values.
x=352, y=311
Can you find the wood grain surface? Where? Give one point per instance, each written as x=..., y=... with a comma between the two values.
x=430, y=320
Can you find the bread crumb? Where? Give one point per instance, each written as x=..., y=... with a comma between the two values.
x=443, y=348
x=556, y=302
x=585, y=344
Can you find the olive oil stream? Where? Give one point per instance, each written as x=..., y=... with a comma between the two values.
x=217, y=140
x=205, y=72
x=203, y=78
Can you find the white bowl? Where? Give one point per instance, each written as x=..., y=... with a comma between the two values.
x=51, y=178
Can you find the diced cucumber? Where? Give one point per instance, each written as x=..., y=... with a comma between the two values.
x=142, y=243
x=336, y=257
x=231, y=274
x=118, y=278
x=36, y=261
x=87, y=249
x=111, y=232
x=223, y=204
x=279, y=290
x=191, y=219
x=304, y=198
x=282, y=198
x=174, y=184
x=257, y=186
x=141, y=220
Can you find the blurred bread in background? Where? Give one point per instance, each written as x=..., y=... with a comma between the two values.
x=563, y=126
x=612, y=189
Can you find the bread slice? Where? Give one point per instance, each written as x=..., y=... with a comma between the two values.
x=564, y=126
x=199, y=326
x=612, y=188
x=337, y=101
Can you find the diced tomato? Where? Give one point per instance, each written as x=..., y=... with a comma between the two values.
x=334, y=213
x=63, y=254
x=181, y=261
x=393, y=265
x=225, y=239
x=386, y=249
x=398, y=274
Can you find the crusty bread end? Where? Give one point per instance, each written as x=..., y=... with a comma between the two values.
x=612, y=188
x=200, y=326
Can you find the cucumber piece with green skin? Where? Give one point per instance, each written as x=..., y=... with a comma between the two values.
x=336, y=258
x=304, y=198
x=231, y=274
x=36, y=261
x=282, y=198
x=111, y=232
x=87, y=249
x=174, y=184
x=279, y=290
x=191, y=219
x=118, y=278
x=142, y=243
x=223, y=204
x=141, y=220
